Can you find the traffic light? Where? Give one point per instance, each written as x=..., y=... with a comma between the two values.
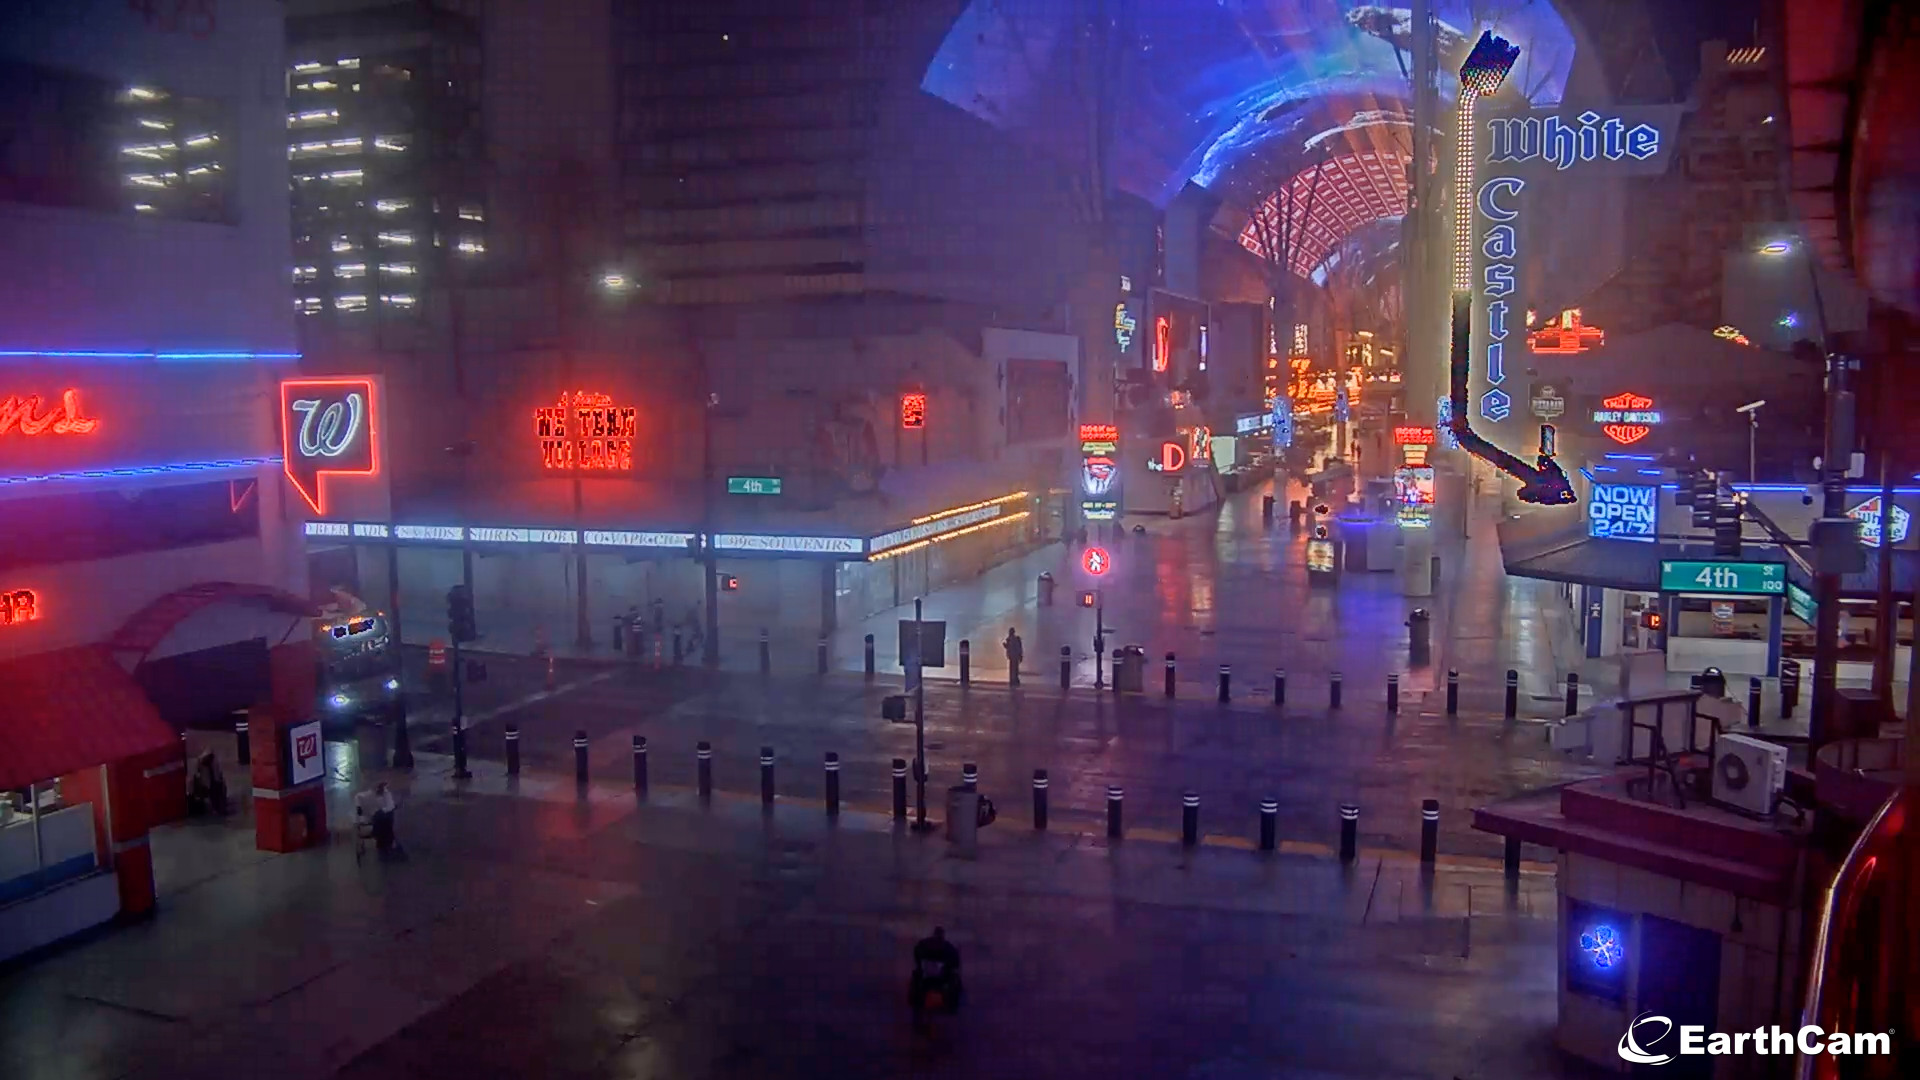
x=1726, y=528
x=1706, y=496
x=460, y=623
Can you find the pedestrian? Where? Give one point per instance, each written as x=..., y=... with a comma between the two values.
x=377, y=807
x=1016, y=652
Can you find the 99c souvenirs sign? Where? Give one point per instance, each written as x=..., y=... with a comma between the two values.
x=586, y=431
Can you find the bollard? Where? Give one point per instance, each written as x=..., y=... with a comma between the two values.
x=966, y=663
x=1513, y=693
x=1279, y=686
x=1573, y=692
x=1333, y=691
x=833, y=784
x=640, y=764
x=1189, y=818
x=899, y=789
x=820, y=657
x=1429, y=830
x=703, y=758
x=242, y=743
x=1040, y=799
x=970, y=776
x=1269, y=824
x=1226, y=681
x=1266, y=509
x=679, y=649
x=1453, y=692
x=1113, y=812
x=869, y=648
x=766, y=653
x=580, y=757
x=513, y=750
x=1393, y=692
x=1169, y=674
x=1513, y=857
x=1066, y=666
x=1349, y=832
x=1753, y=701
x=460, y=750
x=766, y=776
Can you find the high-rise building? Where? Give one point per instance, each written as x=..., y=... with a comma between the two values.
x=386, y=152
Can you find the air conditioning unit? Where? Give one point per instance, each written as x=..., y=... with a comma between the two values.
x=1748, y=773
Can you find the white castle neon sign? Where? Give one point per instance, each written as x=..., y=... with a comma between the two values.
x=1554, y=140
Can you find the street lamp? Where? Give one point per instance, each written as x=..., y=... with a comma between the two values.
x=1752, y=409
x=617, y=282
x=1777, y=247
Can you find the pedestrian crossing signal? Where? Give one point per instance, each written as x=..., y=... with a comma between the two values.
x=1652, y=620
x=1089, y=598
x=729, y=583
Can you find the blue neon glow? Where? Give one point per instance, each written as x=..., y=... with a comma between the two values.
x=1603, y=946
x=1651, y=472
x=1204, y=86
x=161, y=357
x=130, y=472
x=1630, y=457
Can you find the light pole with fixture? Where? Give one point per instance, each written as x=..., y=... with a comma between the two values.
x=1752, y=411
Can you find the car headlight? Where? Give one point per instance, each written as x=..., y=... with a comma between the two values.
x=340, y=701
x=393, y=684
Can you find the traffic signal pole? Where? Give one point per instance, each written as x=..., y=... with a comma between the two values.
x=1833, y=479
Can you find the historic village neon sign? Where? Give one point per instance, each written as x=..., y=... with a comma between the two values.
x=586, y=431
x=327, y=429
x=19, y=606
x=28, y=416
x=1565, y=335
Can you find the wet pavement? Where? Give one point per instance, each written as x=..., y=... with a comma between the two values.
x=542, y=931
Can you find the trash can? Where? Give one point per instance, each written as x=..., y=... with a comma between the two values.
x=1130, y=669
x=1713, y=682
x=1046, y=589
x=1420, y=635
x=963, y=817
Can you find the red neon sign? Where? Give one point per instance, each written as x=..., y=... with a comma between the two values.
x=1412, y=435
x=586, y=430
x=1628, y=400
x=1162, y=342
x=23, y=413
x=1096, y=561
x=327, y=428
x=18, y=606
x=1626, y=434
x=1099, y=433
x=913, y=411
x=1565, y=335
x=1173, y=457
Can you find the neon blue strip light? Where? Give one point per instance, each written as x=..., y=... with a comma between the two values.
x=1584, y=471
x=1651, y=472
x=1859, y=491
x=1631, y=457
x=129, y=472
x=99, y=354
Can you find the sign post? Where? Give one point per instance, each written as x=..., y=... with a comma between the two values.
x=1723, y=578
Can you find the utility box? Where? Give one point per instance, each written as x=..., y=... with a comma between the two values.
x=1130, y=669
x=963, y=819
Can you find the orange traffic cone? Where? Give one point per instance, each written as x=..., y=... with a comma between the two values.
x=550, y=683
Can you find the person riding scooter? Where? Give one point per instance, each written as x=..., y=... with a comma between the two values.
x=936, y=969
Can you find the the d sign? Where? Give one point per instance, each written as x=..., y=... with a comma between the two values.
x=327, y=428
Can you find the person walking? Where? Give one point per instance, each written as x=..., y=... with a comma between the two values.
x=1016, y=652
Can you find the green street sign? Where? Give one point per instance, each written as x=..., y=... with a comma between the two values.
x=1802, y=604
x=1727, y=578
x=753, y=485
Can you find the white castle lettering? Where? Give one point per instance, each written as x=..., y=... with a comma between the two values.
x=1552, y=139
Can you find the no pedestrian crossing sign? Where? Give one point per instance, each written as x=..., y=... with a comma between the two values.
x=1723, y=578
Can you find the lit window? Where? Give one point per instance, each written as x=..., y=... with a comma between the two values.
x=149, y=151
x=308, y=65
x=470, y=247
x=391, y=206
x=341, y=243
x=397, y=299
x=154, y=125
x=309, y=305
x=396, y=239
x=350, y=270
x=471, y=213
x=402, y=268
x=305, y=273
x=350, y=303
x=202, y=170
x=207, y=139
x=306, y=149
x=143, y=207
x=345, y=176
x=151, y=180
x=390, y=142
x=342, y=145
x=350, y=62
x=313, y=117
x=317, y=84
x=142, y=93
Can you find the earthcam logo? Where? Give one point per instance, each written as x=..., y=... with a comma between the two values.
x=327, y=428
x=1641, y=1044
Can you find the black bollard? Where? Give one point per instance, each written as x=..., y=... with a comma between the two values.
x=969, y=776
x=402, y=747
x=1066, y=666
x=242, y=742
x=513, y=750
x=1513, y=693
x=703, y=759
x=1513, y=857
x=679, y=649
x=1114, y=795
x=1040, y=799
x=1189, y=818
x=1393, y=692
x=899, y=789
x=869, y=648
x=766, y=776
x=1349, y=832
x=1269, y=824
x=640, y=764
x=1333, y=691
x=820, y=657
x=1573, y=692
x=580, y=758
x=1753, y=701
x=1169, y=674
x=966, y=663
x=460, y=750
x=1266, y=509
x=1789, y=688
x=1226, y=683
x=1429, y=830
x=766, y=653
x=1279, y=686
x=1453, y=692
x=833, y=784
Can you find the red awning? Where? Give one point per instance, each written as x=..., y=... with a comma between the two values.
x=149, y=626
x=67, y=710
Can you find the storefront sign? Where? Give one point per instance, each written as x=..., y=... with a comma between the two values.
x=1626, y=418
x=913, y=411
x=1162, y=343
x=1173, y=458
x=1123, y=326
x=753, y=485
x=329, y=528
x=19, y=606
x=1801, y=603
x=1248, y=425
x=1868, y=515
x=442, y=533
x=1565, y=335
x=1727, y=578
x=327, y=430
x=1320, y=556
x=1413, y=488
x=1624, y=512
x=1412, y=435
x=27, y=416
x=1099, y=472
x=1547, y=402
x=791, y=545
x=586, y=430
x=481, y=535
x=615, y=538
x=934, y=528
x=306, y=753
